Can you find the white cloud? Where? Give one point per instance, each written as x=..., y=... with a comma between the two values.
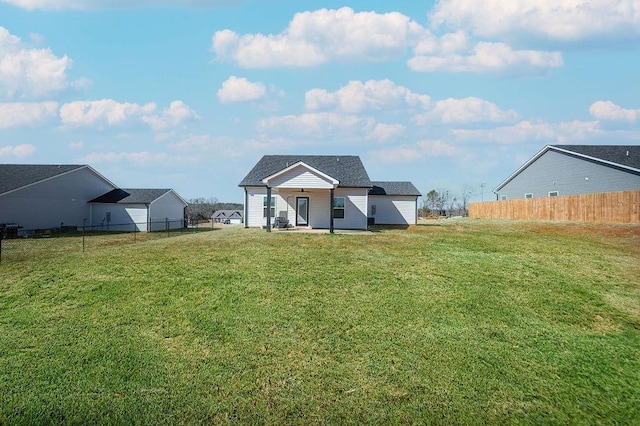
x=384, y=132
x=102, y=112
x=142, y=158
x=31, y=73
x=239, y=89
x=566, y=20
x=26, y=114
x=107, y=112
x=524, y=131
x=318, y=125
x=466, y=110
x=607, y=110
x=18, y=151
x=422, y=150
x=373, y=95
x=484, y=57
x=111, y=4
x=314, y=38
x=177, y=113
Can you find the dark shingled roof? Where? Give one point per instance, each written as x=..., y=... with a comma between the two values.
x=612, y=153
x=394, y=188
x=347, y=169
x=130, y=196
x=15, y=176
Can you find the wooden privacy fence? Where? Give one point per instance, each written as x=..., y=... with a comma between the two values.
x=616, y=207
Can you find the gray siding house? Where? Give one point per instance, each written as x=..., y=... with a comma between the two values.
x=323, y=192
x=574, y=169
x=35, y=196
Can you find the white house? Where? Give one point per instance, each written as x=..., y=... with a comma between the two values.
x=52, y=196
x=142, y=209
x=233, y=217
x=322, y=191
x=574, y=169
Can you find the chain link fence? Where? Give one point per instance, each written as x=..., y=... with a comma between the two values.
x=24, y=245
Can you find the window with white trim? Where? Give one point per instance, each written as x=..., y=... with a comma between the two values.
x=273, y=206
x=553, y=193
x=528, y=195
x=338, y=207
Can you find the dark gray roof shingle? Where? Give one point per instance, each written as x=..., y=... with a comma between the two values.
x=394, y=188
x=347, y=169
x=16, y=176
x=130, y=196
x=625, y=155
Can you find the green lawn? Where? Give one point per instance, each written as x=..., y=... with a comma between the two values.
x=464, y=322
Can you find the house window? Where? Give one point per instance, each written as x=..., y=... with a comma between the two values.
x=528, y=195
x=338, y=208
x=553, y=193
x=503, y=197
x=273, y=207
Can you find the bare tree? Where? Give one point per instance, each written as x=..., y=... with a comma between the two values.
x=465, y=195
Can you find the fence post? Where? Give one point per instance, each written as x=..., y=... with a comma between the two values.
x=84, y=222
x=0, y=248
x=166, y=221
x=135, y=228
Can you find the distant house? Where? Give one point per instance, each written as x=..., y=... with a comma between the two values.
x=323, y=191
x=574, y=169
x=52, y=196
x=227, y=216
x=145, y=209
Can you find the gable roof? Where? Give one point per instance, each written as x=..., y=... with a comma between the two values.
x=16, y=176
x=133, y=196
x=227, y=213
x=394, y=188
x=623, y=157
x=347, y=169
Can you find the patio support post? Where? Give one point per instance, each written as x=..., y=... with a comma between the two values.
x=268, y=209
x=331, y=191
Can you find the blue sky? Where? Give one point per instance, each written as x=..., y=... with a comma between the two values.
x=189, y=94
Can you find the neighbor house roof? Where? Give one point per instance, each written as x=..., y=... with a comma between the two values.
x=226, y=213
x=623, y=157
x=133, y=196
x=394, y=188
x=16, y=176
x=347, y=169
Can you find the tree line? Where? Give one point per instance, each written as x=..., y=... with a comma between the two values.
x=442, y=202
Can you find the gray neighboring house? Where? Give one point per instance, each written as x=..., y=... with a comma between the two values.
x=233, y=217
x=52, y=196
x=324, y=191
x=146, y=209
x=574, y=169
x=48, y=196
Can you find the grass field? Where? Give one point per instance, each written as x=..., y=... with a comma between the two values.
x=465, y=322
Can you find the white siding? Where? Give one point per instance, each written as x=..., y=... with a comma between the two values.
x=393, y=210
x=255, y=204
x=355, y=214
x=319, y=207
x=300, y=177
x=61, y=200
x=168, y=206
x=123, y=217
